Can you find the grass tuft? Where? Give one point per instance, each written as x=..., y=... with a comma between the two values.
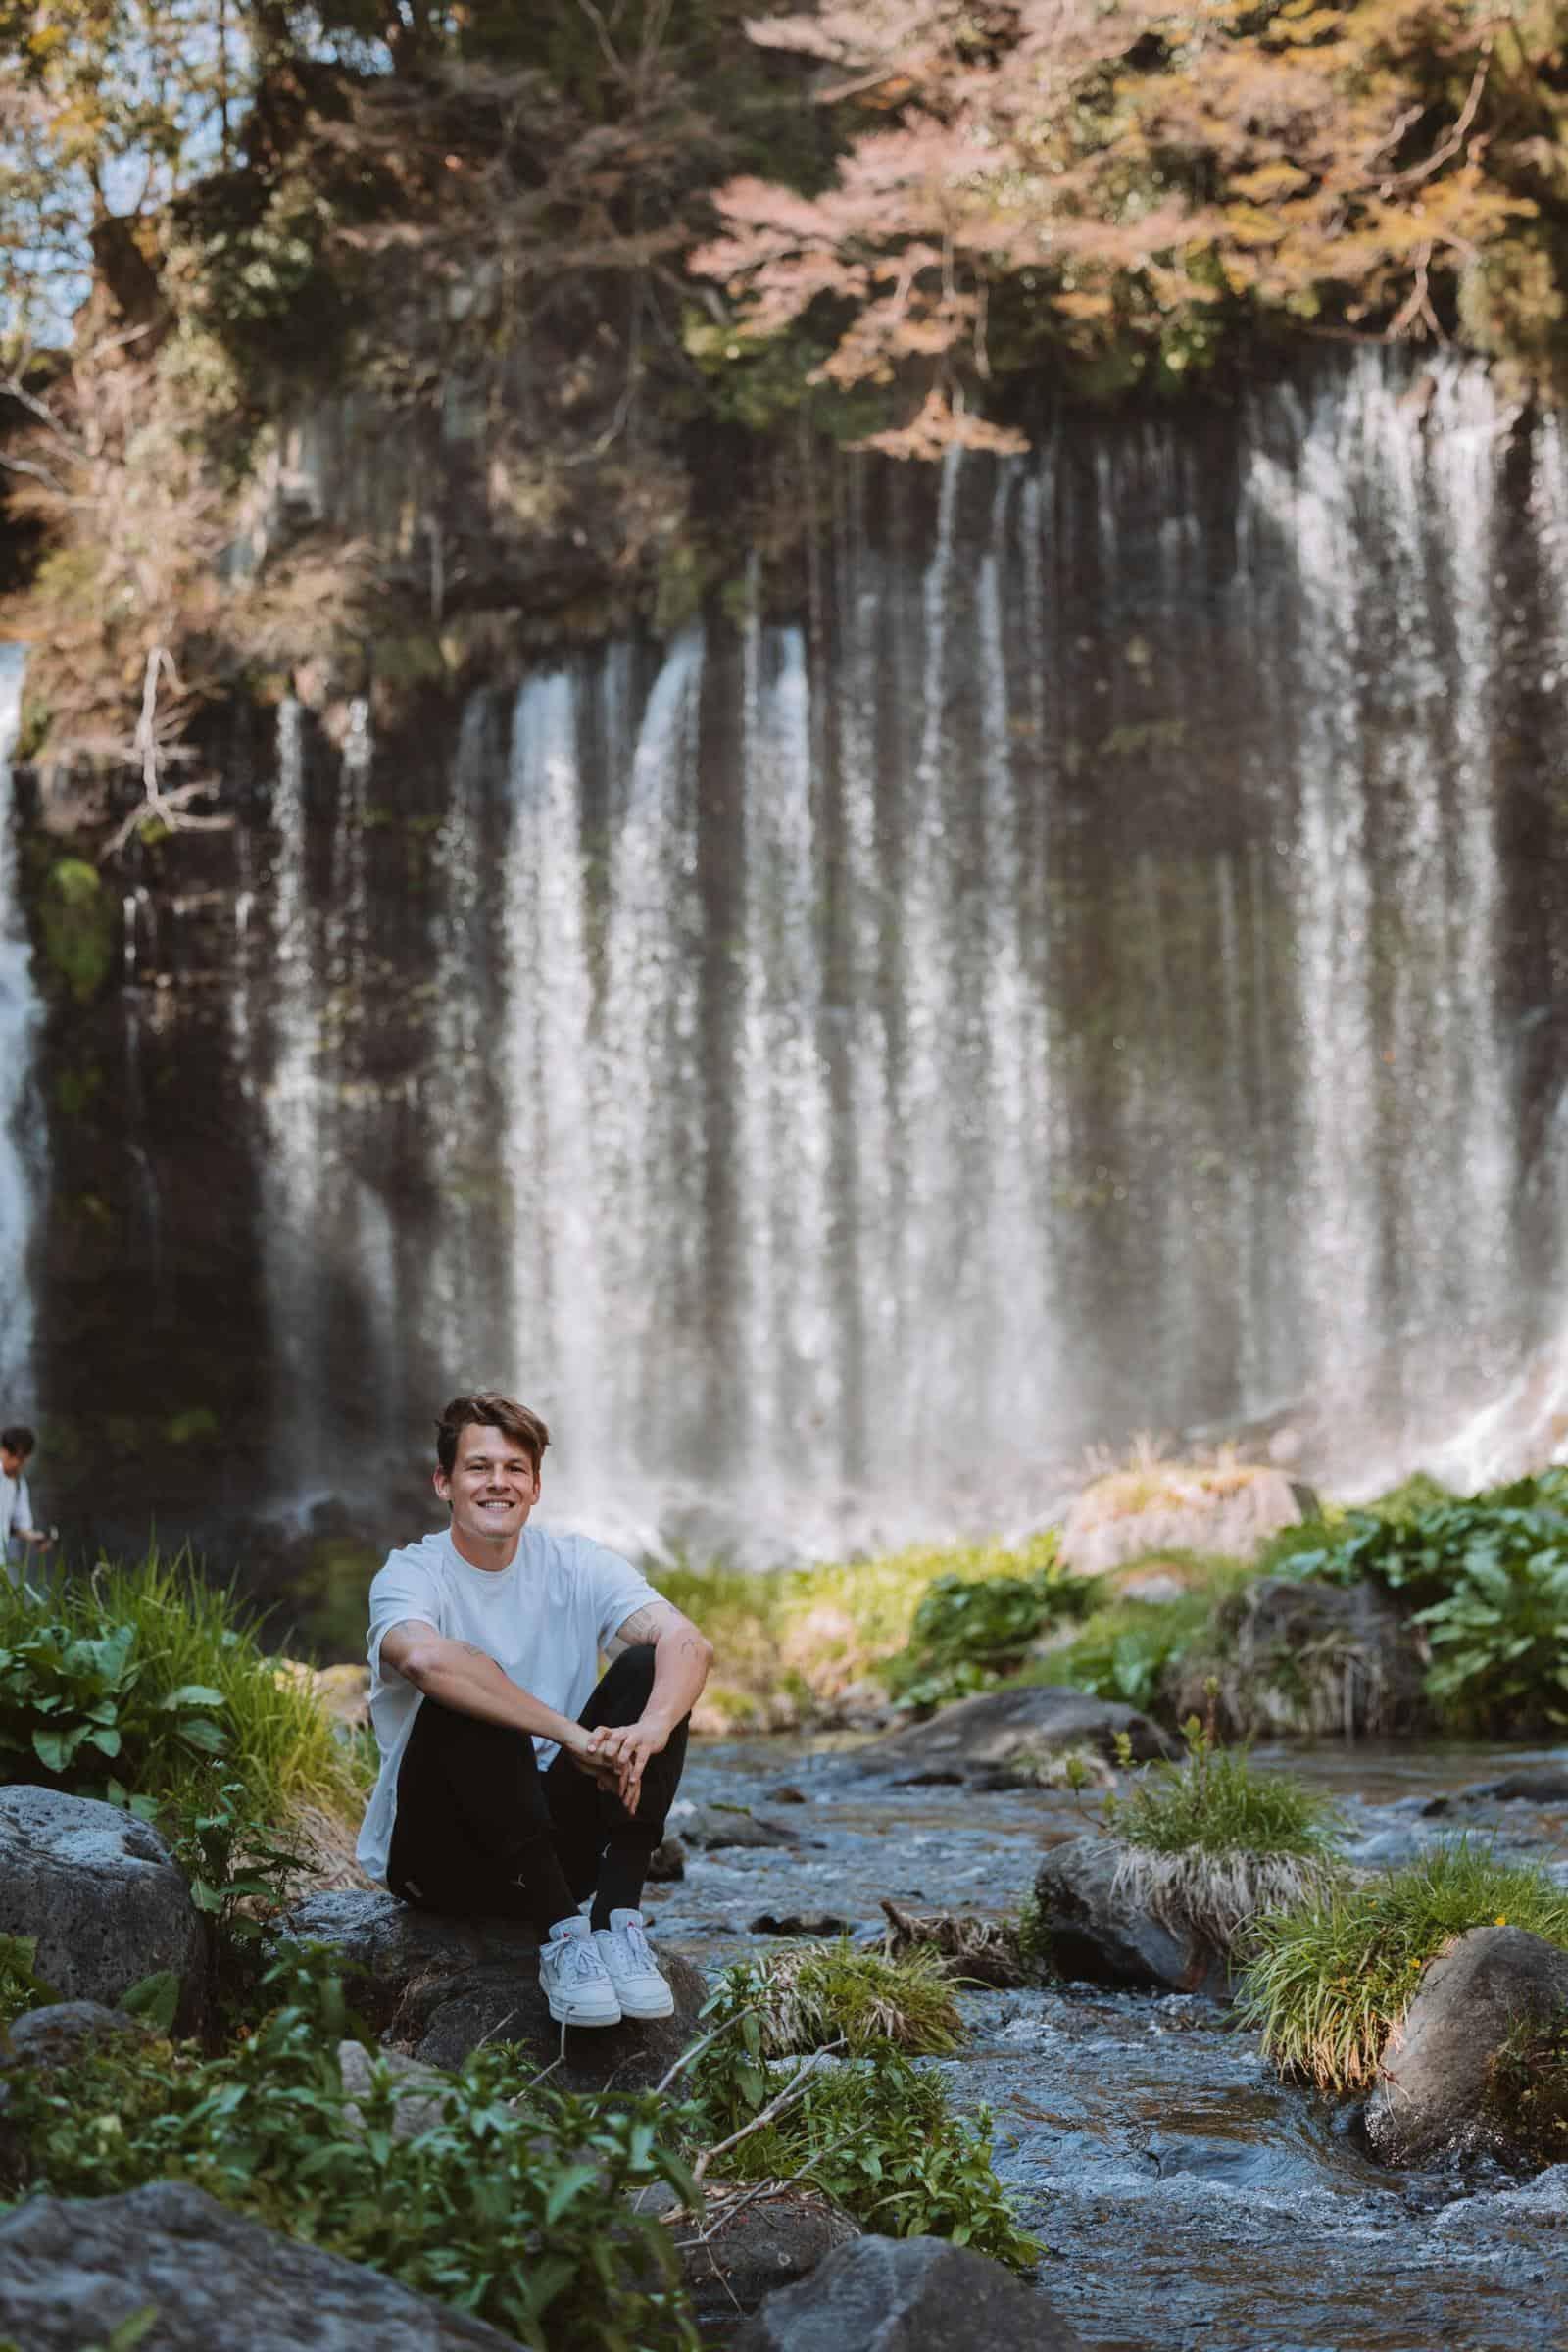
x=810, y=1994
x=1327, y=1984
x=1215, y=1896
x=1217, y=1802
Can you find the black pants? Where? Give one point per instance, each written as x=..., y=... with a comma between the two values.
x=482, y=1830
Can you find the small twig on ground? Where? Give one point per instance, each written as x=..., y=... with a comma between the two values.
x=793, y=2092
x=689, y=2057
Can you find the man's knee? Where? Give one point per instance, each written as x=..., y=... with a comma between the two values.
x=627, y=1681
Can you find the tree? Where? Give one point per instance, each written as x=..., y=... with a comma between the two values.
x=1112, y=187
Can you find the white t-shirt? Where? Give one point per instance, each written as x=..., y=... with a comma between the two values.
x=544, y=1620
x=15, y=1510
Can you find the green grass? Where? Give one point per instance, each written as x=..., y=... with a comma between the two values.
x=868, y=2128
x=278, y=1744
x=810, y=1994
x=1328, y=1983
x=812, y=1631
x=1218, y=1802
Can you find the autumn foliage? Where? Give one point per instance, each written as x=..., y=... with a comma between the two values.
x=1111, y=189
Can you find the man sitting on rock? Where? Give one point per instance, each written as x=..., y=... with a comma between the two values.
x=513, y=1783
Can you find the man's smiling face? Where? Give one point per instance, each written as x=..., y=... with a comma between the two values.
x=492, y=1488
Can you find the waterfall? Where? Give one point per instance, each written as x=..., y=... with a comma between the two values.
x=1082, y=975
x=18, y=1123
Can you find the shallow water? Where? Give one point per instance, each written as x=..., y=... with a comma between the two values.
x=1189, y=2200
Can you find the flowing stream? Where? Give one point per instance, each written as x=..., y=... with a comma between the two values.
x=1190, y=2201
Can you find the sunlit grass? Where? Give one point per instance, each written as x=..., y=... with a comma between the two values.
x=812, y=1631
x=1328, y=1983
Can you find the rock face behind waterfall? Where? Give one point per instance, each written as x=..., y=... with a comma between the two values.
x=1433, y=2094
x=100, y=1892
x=1003, y=1738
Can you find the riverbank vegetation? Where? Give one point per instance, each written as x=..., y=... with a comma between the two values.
x=629, y=240
x=1327, y=1982
x=1477, y=1586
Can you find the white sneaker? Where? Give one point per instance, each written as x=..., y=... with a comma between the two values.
x=574, y=1977
x=631, y=1968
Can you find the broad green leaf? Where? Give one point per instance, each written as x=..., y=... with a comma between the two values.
x=154, y=1997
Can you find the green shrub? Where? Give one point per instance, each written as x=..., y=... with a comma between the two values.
x=1486, y=1576
x=513, y=2204
x=1327, y=1984
x=875, y=2133
x=130, y=1683
x=968, y=1633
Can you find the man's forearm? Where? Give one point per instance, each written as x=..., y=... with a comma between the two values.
x=459, y=1676
x=681, y=1661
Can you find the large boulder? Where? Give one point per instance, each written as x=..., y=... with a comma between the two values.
x=1100, y=1934
x=1313, y=1659
x=435, y=1988
x=1230, y=1508
x=100, y=1893
x=1006, y=1739
x=909, y=2294
x=70, y=2273
x=1434, y=2079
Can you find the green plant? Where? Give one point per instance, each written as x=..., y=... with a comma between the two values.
x=511, y=2203
x=1209, y=1844
x=169, y=1635
x=875, y=2133
x=1217, y=1802
x=81, y=1710
x=1327, y=1984
x=1127, y=1648
x=1527, y=2087
x=968, y=1633
x=1486, y=1576
x=21, y=1987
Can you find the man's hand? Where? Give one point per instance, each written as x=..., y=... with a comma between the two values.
x=579, y=1750
x=625, y=1748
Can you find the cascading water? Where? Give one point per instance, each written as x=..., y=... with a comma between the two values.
x=19, y=1124
x=1072, y=982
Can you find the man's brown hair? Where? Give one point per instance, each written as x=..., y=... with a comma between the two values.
x=491, y=1411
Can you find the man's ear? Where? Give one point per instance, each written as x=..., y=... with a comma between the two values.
x=441, y=1483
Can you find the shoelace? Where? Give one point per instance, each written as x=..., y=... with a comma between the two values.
x=635, y=1943
x=581, y=1960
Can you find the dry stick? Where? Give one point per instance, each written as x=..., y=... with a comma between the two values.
x=793, y=2092
x=689, y=2057
x=764, y=2189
